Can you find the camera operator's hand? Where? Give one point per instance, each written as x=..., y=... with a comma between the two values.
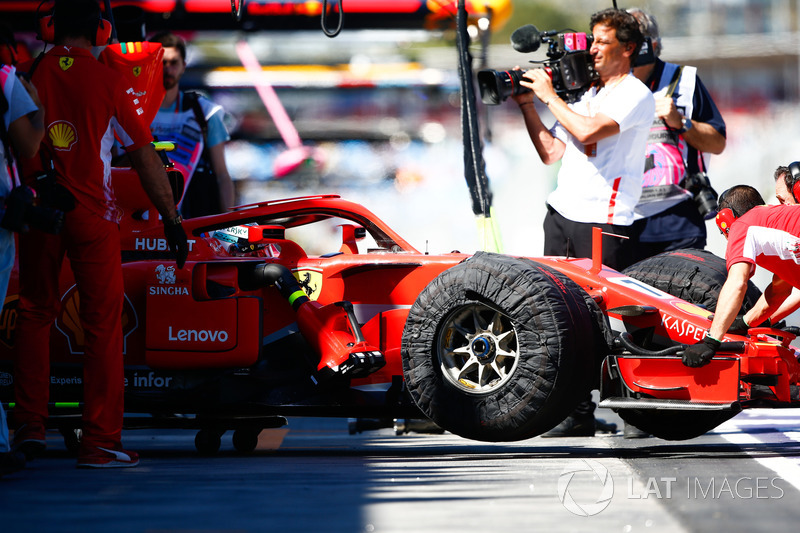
x=176, y=240
x=522, y=98
x=541, y=84
x=668, y=112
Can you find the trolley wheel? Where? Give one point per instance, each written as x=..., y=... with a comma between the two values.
x=207, y=441
x=246, y=440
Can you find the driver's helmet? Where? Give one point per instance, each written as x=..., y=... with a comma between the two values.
x=233, y=241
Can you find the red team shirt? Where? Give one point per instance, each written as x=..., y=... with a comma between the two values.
x=767, y=236
x=80, y=129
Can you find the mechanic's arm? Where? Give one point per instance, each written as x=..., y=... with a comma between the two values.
x=789, y=306
x=730, y=299
x=776, y=293
x=224, y=181
x=703, y=137
x=155, y=182
x=27, y=132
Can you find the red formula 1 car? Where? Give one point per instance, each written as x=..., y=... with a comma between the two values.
x=260, y=325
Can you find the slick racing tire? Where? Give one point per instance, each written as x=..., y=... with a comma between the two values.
x=696, y=276
x=499, y=349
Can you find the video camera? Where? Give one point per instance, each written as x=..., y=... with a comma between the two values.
x=568, y=63
x=21, y=211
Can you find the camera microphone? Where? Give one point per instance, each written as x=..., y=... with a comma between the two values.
x=528, y=38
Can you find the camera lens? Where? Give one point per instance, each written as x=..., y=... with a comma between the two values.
x=495, y=86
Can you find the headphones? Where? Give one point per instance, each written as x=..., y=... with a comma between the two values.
x=794, y=170
x=47, y=30
x=725, y=217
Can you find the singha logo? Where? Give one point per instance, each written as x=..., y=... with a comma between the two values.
x=166, y=275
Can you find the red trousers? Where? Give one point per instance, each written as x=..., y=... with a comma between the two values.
x=92, y=245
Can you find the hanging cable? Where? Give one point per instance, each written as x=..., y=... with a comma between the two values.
x=323, y=19
x=236, y=10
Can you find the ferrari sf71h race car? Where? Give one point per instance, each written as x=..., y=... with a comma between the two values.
x=491, y=347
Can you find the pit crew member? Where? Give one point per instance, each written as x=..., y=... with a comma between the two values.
x=758, y=235
x=86, y=104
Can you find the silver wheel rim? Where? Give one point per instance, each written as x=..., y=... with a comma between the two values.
x=477, y=349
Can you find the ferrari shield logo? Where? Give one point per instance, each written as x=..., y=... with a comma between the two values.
x=310, y=281
x=65, y=62
x=136, y=71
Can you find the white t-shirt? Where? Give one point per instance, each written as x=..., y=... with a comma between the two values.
x=604, y=188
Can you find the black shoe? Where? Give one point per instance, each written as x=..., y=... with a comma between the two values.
x=573, y=426
x=30, y=440
x=11, y=462
x=632, y=432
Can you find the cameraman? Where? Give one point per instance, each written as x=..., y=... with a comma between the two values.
x=595, y=138
x=86, y=105
x=22, y=129
x=687, y=124
x=599, y=139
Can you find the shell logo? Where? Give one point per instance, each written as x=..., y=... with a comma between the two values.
x=63, y=135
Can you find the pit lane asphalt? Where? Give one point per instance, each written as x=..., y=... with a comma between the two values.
x=315, y=477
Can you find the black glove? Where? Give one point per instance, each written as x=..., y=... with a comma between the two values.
x=700, y=354
x=739, y=326
x=176, y=240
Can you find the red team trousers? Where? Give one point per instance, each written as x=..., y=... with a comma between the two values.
x=92, y=245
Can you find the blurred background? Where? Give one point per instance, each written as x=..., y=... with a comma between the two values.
x=378, y=105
